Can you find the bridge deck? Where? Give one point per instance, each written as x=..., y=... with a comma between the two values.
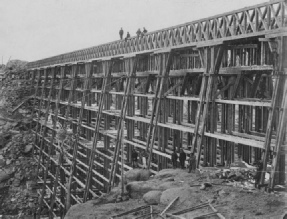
x=262, y=19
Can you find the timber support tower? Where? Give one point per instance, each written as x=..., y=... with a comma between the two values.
x=216, y=87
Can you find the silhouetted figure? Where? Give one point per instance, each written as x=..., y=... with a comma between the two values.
x=182, y=158
x=121, y=32
x=258, y=173
x=138, y=32
x=174, y=158
x=144, y=156
x=128, y=36
x=144, y=30
x=192, y=163
x=134, y=158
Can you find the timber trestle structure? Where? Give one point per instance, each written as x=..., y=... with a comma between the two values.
x=215, y=87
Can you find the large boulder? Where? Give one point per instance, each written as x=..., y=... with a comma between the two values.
x=176, y=174
x=137, y=175
x=138, y=189
x=152, y=197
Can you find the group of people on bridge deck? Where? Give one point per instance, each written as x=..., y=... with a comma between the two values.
x=174, y=158
x=182, y=159
x=139, y=33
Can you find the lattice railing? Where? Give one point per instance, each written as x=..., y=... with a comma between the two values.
x=246, y=22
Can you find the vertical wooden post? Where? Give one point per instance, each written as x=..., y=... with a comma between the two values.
x=79, y=127
x=39, y=110
x=213, y=68
x=276, y=91
x=129, y=89
x=108, y=70
x=34, y=106
x=58, y=167
x=164, y=73
x=281, y=133
x=43, y=140
x=282, y=74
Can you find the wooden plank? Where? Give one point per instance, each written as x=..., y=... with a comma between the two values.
x=169, y=205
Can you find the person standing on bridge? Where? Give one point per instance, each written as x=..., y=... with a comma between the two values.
x=144, y=30
x=128, y=36
x=138, y=32
x=121, y=32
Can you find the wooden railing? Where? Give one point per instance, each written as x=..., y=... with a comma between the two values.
x=251, y=21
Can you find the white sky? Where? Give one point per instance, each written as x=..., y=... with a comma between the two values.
x=36, y=29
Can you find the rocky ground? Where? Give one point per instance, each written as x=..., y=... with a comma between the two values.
x=229, y=198
x=18, y=194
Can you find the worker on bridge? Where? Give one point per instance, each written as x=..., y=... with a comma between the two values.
x=121, y=32
x=138, y=32
x=128, y=36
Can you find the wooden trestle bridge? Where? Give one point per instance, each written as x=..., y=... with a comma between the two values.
x=215, y=87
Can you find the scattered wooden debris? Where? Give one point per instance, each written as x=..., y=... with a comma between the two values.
x=191, y=209
x=140, y=209
x=169, y=205
x=217, y=213
x=21, y=104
